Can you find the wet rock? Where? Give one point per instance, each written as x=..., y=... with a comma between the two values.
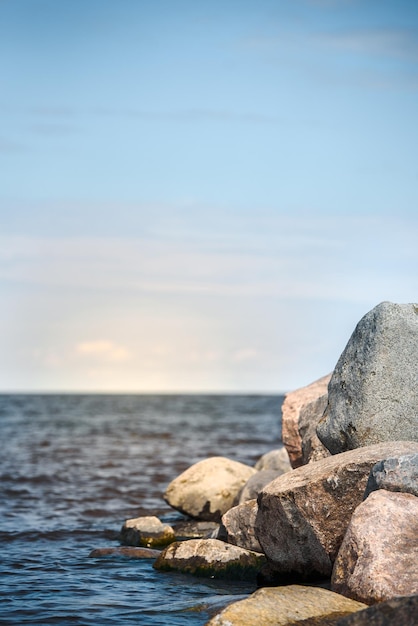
x=146, y=531
x=255, y=483
x=293, y=403
x=310, y=414
x=372, y=394
x=400, y=474
x=125, y=551
x=194, y=529
x=277, y=460
x=378, y=558
x=208, y=489
x=210, y=558
x=303, y=515
x=280, y=606
x=237, y=526
x=400, y=611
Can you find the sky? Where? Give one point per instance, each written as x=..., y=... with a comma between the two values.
x=201, y=196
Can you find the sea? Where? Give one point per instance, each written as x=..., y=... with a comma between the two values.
x=74, y=467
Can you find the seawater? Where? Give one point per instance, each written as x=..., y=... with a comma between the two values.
x=73, y=468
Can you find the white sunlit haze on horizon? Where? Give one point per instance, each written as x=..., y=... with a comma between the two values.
x=201, y=196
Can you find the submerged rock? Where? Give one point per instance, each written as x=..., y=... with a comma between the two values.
x=292, y=406
x=210, y=558
x=209, y=488
x=125, y=551
x=282, y=606
x=146, y=531
x=378, y=558
x=372, y=394
x=303, y=515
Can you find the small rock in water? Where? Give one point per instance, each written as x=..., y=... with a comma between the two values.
x=129, y=552
x=146, y=531
x=210, y=558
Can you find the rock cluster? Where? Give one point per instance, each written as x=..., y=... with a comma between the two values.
x=336, y=508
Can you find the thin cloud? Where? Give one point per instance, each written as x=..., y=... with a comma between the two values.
x=103, y=350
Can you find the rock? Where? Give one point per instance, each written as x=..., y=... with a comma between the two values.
x=207, y=489
x=146, y=531
x=303, y=515
x=210, y=558
x=372, y=394
x=237, y=526
x=277, y=460
x=402, y=611
x=128, y=552
x=378, y=558
x=293, y=403
x=310, y=414
x=255, y=483
x=276, y=606
x=400, y=474
x=194, y=529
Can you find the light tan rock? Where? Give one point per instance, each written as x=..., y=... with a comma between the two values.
x=210, y=558
x=378, y=558
x=293, y=404
x=146, y=531
x=237, y=526
x=282, y=606
x=303, y=515
x=277, y=460
x=209, y=488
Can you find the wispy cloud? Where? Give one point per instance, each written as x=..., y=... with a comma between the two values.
x=102, y=350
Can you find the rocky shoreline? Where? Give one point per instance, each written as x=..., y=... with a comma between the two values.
x=327, y=526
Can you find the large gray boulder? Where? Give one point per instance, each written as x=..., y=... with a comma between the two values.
x=378, y=558
x=210, y=558
x=303, y=515
x=283, y=606
x=293, y=404
x=399, y=474
x=209, y=488
x=373, y=392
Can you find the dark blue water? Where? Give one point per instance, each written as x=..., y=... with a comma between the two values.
x=74, y=467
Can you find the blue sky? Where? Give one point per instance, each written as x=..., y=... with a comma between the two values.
x=201, y=196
